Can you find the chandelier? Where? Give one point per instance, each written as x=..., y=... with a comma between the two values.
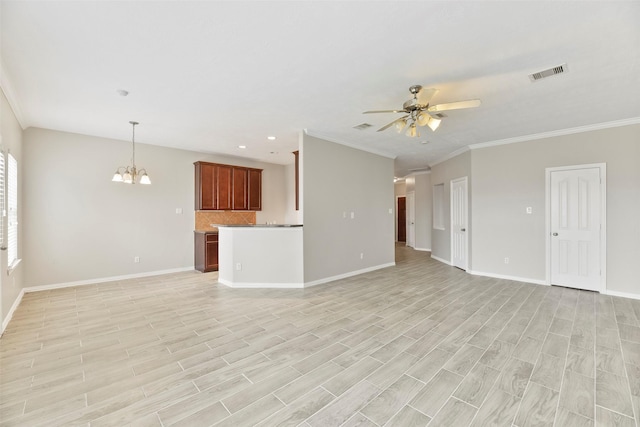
x=130, y=174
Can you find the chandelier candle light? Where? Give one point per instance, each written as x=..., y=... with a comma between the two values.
x=129, y=174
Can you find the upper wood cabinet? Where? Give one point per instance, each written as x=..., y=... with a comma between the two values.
x=240, y=189
x=223, y=185
x=227, y=187
x=255, y=189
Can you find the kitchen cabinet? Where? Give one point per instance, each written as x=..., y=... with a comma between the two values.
x=206, y=251
x=255, y=190
x=227, y=187
x=240, y=189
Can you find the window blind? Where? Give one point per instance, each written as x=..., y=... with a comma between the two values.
x=12, y=208
x=3, y=212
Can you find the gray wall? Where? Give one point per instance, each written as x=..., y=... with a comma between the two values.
x=445, y=172
x=339, y=180
x=508, y=178
x=424, y=211
x=84, y=227
x=11, y=140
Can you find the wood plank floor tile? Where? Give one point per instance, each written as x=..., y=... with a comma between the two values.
x=604, y=417
x=408, y=417
x=612, y=392
x=499, y=409
x=578, y=394
x=344, y=407
x=454, y=413
x=436, y=392
x=414, y=344
x=538, y=406
x=514, y=377
x=391, y=400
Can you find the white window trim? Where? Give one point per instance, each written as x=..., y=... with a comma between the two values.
x=12, y=202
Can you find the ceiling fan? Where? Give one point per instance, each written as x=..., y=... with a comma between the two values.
x=420, y=113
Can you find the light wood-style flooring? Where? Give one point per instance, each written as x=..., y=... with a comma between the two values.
x=417, y=344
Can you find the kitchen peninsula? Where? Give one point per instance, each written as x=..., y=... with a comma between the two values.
x=260, y=255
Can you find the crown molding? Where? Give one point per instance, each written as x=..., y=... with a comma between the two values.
x=7, y=89
x=561, y=132
x=450, y=155
x=348, y=144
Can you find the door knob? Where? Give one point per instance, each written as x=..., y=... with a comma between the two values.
x=463, y=229
x=555, y=234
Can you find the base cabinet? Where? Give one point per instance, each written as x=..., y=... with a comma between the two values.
x=206, y=251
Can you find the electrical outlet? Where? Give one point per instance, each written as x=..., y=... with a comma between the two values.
x=238, y=266
x=136, y=259
x=529, y=210
x=353, y=215
x=178, y=210
x=506, y=260
x=390, y=210
x=361, y=255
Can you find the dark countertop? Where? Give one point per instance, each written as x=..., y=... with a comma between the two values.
x=206, y=231
x=257, y=225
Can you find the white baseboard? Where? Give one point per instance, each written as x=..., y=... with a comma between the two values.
x=621, y=294
x=423, y=249
x=349, y=274
x=507, y=277
x=104, y=279
x=444, y=261
x=12, y=310
x=301, y=285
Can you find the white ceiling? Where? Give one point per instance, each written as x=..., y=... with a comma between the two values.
x=213, y=75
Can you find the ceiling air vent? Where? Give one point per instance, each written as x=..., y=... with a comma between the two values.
x=362, y=126
x=548, y=73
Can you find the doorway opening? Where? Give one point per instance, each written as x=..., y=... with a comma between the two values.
x=401, y=220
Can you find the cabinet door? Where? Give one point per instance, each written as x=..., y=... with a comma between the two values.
x=255, y=189
x=205, y=188
x=240, y=186
x=211, y=253
x=223, y=187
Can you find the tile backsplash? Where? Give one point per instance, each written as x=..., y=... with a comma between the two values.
x=204, y=219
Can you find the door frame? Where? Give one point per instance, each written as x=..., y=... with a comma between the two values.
x=411, y=213
x=398, y=217
x=465, y=180
x=603, y=219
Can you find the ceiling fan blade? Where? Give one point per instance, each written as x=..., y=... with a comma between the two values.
x=425, y=95
x=392, y=123
x=454, y=105
x=384, y=111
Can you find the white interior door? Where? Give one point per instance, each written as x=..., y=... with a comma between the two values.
x=459, y=223
x=411, y=219
x=576, y=223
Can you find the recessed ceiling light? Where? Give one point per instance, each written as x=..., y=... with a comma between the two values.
x=271, y=138
x=122, y=92
x=242, y=146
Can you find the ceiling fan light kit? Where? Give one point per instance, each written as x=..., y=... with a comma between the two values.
x=419, y=112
